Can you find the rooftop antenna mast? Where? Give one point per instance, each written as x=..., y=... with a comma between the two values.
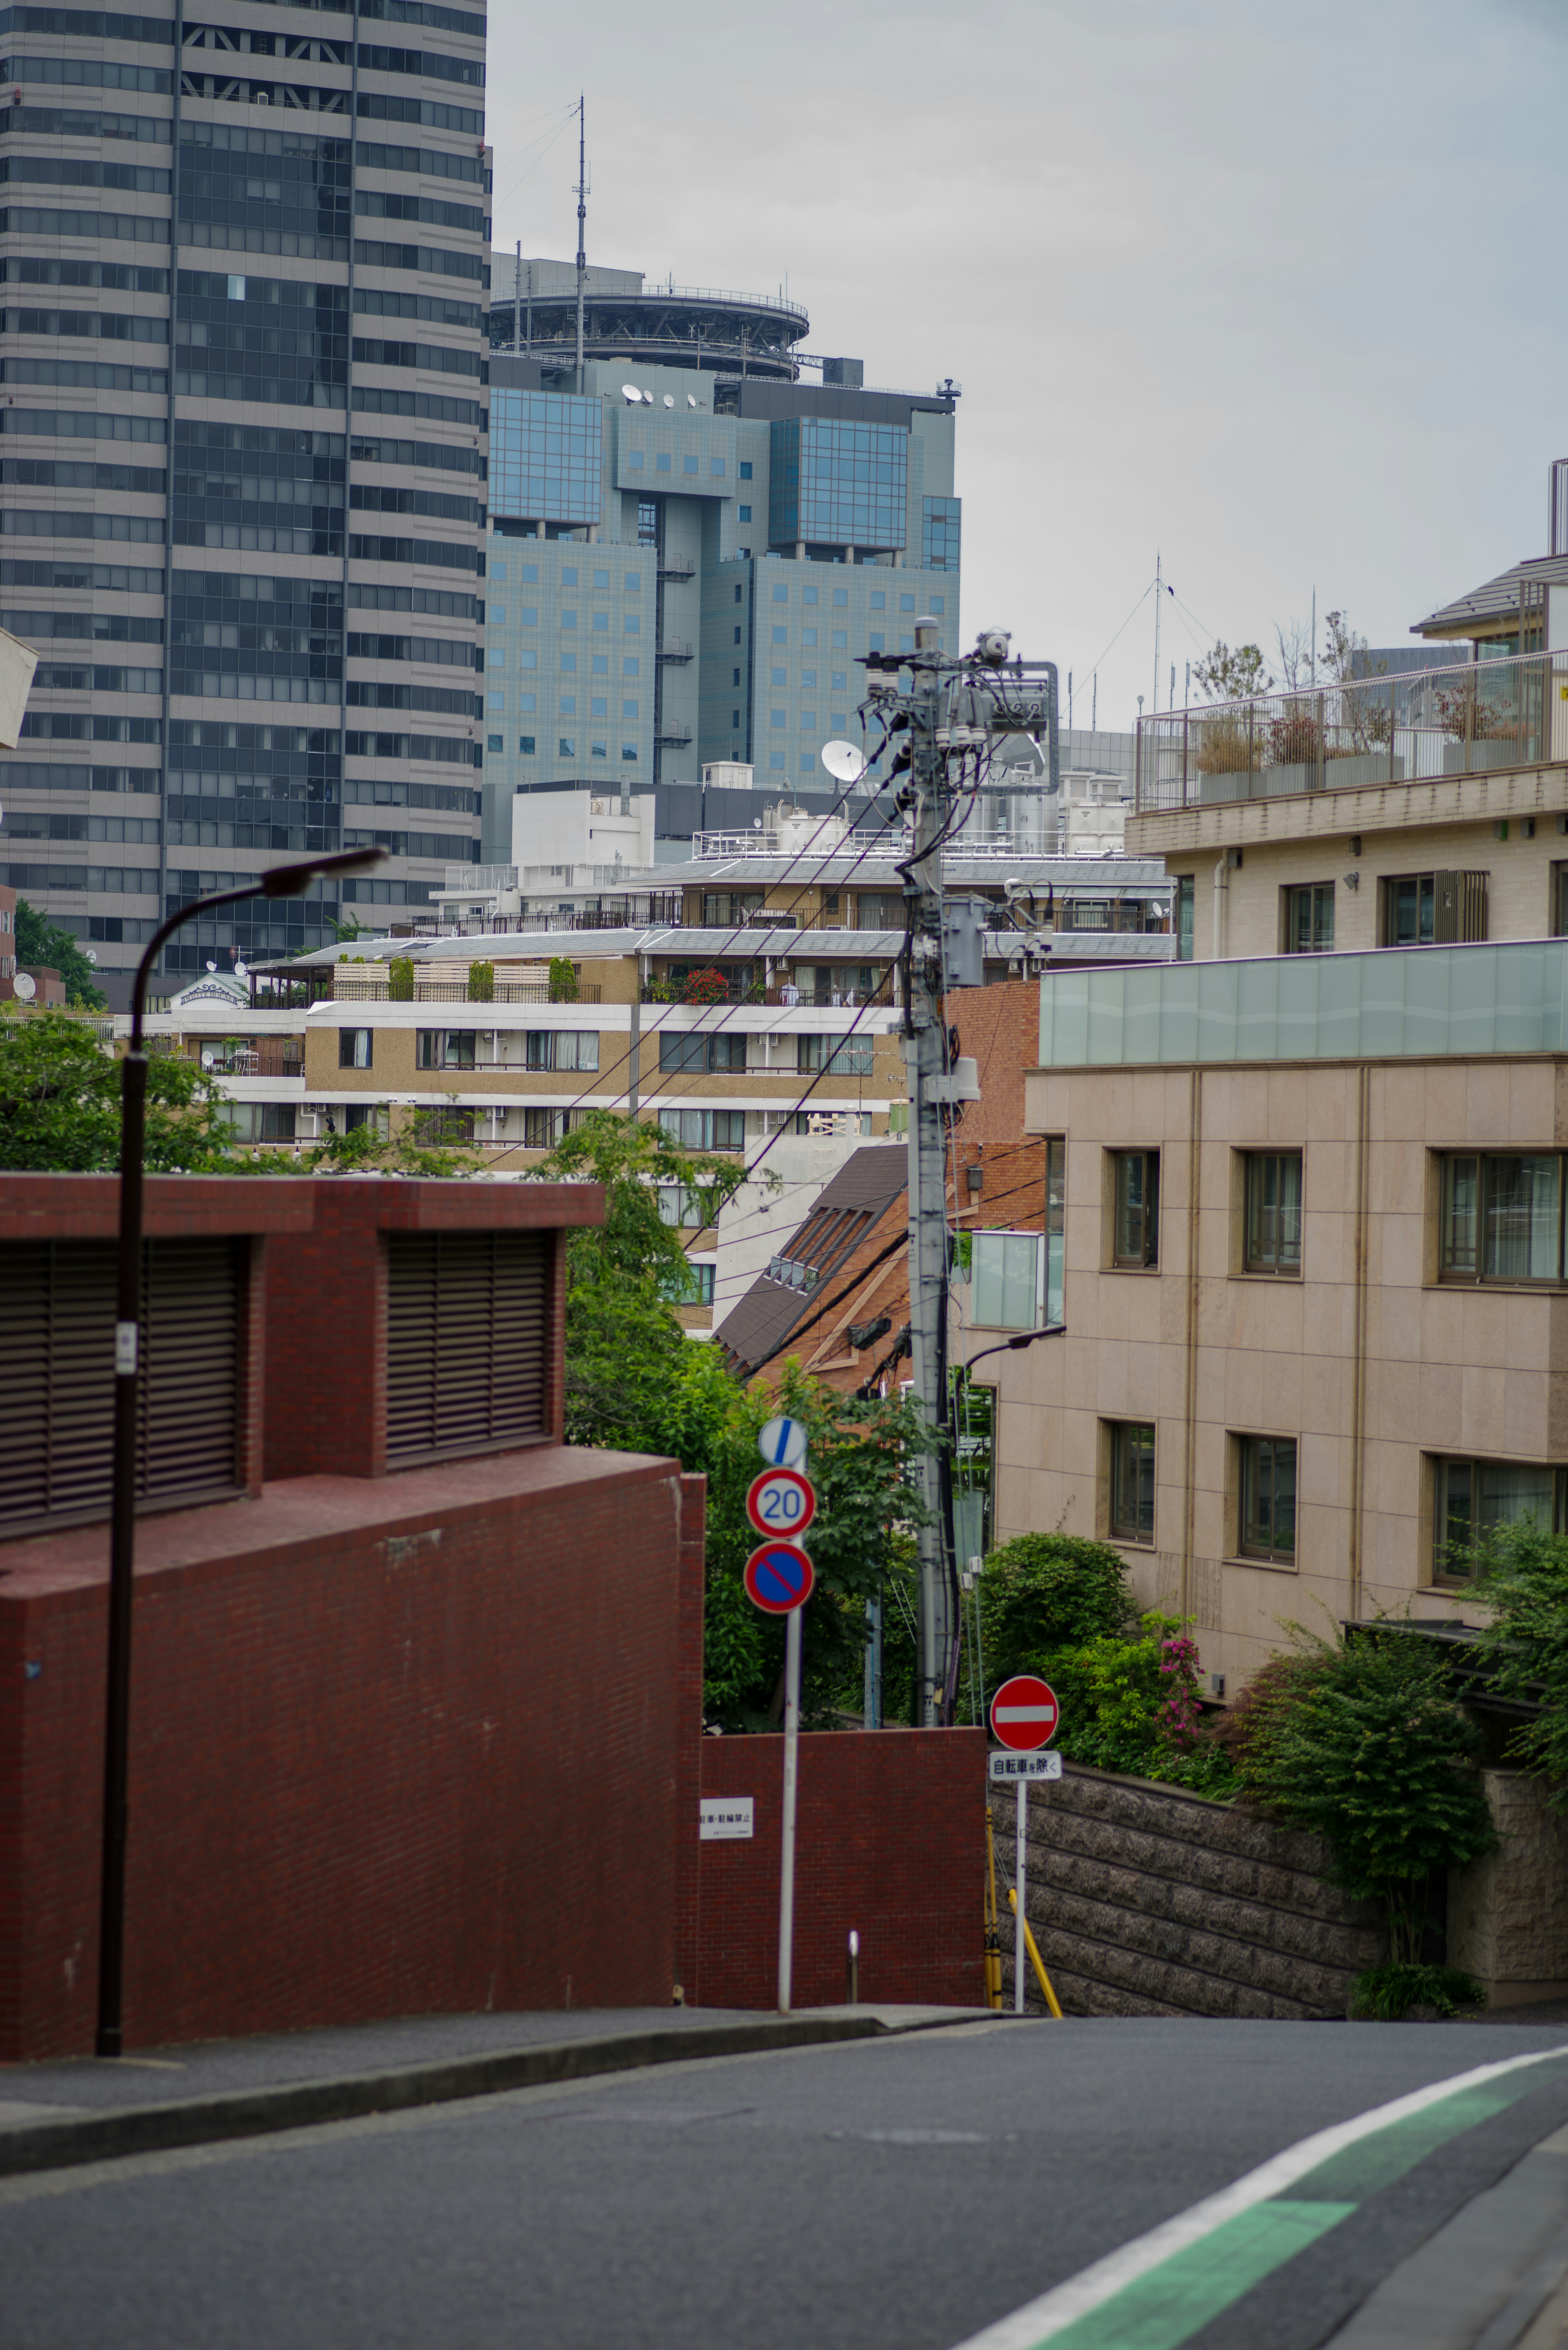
x=581, y=221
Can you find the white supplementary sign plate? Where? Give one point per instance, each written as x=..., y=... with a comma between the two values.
x=724, y=1818
x=1026, y=1766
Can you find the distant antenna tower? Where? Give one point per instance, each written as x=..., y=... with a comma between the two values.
x=582, y=194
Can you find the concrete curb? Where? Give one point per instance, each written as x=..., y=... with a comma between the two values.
x=80, y=2137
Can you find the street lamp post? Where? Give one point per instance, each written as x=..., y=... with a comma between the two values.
x=281, y=882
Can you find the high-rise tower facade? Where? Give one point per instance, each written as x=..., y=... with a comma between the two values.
x=248, y=538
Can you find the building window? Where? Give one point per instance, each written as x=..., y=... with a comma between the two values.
x=1132, y=1481
x=563, y=1048
x=1309, y=918
x=697, y=1054
x=1135, y=1216
x=1184, y=907
x=683, y=1205
x=1268, y=1498
x=1502, y=1217
x=705, y=1130
x=355, y=1046
x=1423, y=909
x=493, y=742
x=693, y=1286
x=744, y=470
x=444, y=1048
x=839, y=1057
x=1272, y=1241
x=1055, y=1227
x=524, y=745
x=1005, y=1280
x=745, y=513
x=1471, y=1497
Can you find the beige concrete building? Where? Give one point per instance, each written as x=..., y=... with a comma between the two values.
x=1316, y=1290
x=1420, y=809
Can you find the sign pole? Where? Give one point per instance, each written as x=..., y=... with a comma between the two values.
x=1019, y=1873
x=791, y=1763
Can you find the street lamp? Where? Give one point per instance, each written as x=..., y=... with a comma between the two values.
x=281, y=882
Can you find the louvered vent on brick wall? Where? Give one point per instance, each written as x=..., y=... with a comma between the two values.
x=466, y=1343
x=56, y=1346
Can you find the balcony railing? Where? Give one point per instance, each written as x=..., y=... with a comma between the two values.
x=431, y=990
x=1418, y=727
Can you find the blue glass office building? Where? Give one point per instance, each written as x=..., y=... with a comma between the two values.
x=688, y=552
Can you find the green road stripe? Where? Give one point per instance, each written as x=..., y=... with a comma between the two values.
x=1377, y=2161
x=1161, y=2288
x=1166, y=2307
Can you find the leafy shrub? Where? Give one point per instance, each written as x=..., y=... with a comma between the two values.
x=563, y=980
x=482, y=983
x=400, y=980
x=1367, y=1748
x=1040, y=1592
x=1389, y=1995
x=1523, y=1579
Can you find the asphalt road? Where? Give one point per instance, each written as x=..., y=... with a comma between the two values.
x=906, y=2193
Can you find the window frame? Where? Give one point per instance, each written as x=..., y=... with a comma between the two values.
x=1141, y=1255
x=1292, y=896
x=1439, y=1466
x=424, y=1058
x=1253, y=1163
x=1121, y=1527
x=348, y=1041
x=1248, y=1461
x=1475, y=1275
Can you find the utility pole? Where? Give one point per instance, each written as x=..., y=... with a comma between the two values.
x=926, y=1056
x=949, y=717
x=582, y=227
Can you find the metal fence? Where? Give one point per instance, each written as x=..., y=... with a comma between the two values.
x=1416, y=727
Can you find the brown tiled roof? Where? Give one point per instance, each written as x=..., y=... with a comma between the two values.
x=831, y=1235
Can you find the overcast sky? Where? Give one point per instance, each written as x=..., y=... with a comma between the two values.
x=1278, y=291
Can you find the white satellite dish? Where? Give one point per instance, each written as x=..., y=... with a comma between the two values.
x=212, y=966
x=629, y=391
x=844, y=761
x=25, y=986
x=690, y=399
x=89, y=954
x=670, y=399
x=648, y=399
x=242, y=971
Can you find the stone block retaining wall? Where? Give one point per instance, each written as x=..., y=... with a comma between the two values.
x=1146, y=1900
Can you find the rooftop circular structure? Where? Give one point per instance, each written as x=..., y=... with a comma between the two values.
x=534, y=311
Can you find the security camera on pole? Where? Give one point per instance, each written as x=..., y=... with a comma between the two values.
x=949, y=716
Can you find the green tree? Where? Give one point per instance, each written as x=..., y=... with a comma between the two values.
x=400, y=980
x=1367, y=1748
x=563, y=980
x=625, y=1343
x=482, y=983
x=1040, y=1592
x=39, y=940
x=59, y=1104
x=1523, y=1581
x=1227, y=676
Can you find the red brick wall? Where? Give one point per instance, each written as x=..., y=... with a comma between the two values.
x=890, y=1839
x=326, y=1311
x=399, y=1747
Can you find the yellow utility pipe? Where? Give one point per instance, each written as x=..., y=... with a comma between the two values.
x=1051, y=1998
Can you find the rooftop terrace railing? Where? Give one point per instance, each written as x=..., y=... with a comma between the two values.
x=1416, y=727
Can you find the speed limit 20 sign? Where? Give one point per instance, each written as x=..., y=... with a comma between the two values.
x=781, y=1502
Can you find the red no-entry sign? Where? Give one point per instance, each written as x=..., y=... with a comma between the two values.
x=1024, y=1713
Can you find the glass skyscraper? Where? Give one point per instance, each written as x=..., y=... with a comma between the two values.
x=247, y=539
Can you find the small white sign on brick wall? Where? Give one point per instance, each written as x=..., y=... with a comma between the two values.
x=725, y=1816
